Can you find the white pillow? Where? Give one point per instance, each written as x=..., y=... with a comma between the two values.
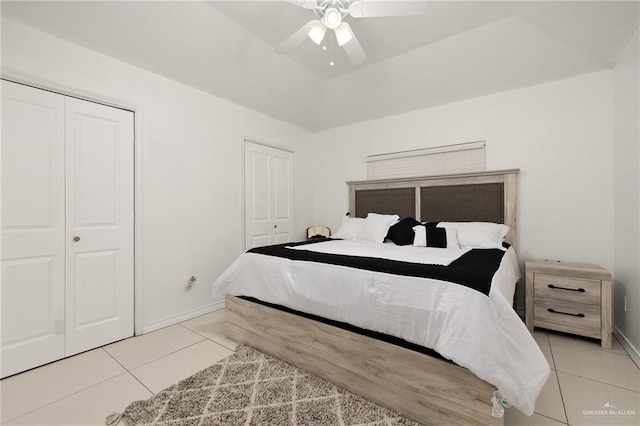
x=376, y=226
x=452, y=238
x=349, y=228
x=478, y=234
x=420, y=237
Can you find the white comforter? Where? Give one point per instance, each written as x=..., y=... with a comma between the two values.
x=483, y=334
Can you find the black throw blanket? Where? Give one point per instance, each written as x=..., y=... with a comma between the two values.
x=474, y=269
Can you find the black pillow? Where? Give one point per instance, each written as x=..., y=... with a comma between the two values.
x=402, y=232
x=436, y=237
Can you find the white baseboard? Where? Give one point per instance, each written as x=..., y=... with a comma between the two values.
x=184, y=316
x=626, y=344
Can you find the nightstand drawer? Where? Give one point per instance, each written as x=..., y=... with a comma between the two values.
x=580, y=315
x=579, y=290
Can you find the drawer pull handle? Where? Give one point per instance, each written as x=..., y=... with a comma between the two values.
x=581, y=290
x=553, y=311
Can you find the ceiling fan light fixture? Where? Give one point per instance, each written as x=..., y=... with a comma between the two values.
x=332, y=18
x=331, y=15
x=317, y=31
x=343, y=35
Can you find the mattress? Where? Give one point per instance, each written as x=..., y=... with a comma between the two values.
x=475, y=329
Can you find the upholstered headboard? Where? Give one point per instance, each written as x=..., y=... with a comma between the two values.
x=469, y=197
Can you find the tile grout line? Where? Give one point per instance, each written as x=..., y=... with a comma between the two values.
x=564, y=404
x=65, y=397
x=591, y=348
x=555, y=367
x=598, y=381
x=551, y=418
x=68, y=395
x=589, y=378
x=126, y=371
x=130, y=373
x=210, y=338
x=198, y=333
x=174, y=352
x=140, y=381
x=220, y=344
x=156, y=359
x=555, y=371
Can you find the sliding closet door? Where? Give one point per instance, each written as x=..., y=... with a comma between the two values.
x=268, y=195
x=99, y=237
x=33, y=243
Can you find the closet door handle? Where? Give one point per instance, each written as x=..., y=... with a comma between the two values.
x=581, y=290
x=553, y=311
x=76, y=239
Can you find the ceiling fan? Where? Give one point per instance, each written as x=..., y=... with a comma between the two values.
x=331, y=14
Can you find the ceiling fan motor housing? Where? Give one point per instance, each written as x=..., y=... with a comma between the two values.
x=332, y=18
x=331, y=13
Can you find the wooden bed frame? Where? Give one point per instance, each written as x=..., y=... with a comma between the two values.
x=424, y=388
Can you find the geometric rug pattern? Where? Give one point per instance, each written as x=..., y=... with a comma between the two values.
x=252, y=388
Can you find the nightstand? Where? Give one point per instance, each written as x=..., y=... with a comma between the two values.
x=569, y=297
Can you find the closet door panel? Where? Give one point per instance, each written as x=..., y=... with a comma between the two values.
x=33, y=276
x=268, y=195
x=96, y=299
x=99, y=225
x=283, y=196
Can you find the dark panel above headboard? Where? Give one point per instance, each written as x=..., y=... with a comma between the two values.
x=400, y=201
x=463, y=203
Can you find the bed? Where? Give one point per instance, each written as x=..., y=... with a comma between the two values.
x=429, y=389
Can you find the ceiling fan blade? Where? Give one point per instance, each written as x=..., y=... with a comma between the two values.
x=296, y=38
x=307, y=4
x=372, y=9
x=343, y=34
x=352, y=47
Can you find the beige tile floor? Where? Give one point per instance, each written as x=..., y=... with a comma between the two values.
x=84, y=389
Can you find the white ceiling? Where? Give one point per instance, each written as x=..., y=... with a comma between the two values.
x=455, y=50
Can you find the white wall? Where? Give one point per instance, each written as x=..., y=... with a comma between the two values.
x=626, y=150
x=191, y=165
x=559, y=134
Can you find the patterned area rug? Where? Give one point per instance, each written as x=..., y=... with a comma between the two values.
x=251, y=388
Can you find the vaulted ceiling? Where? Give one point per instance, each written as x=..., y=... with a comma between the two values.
x=455, y=50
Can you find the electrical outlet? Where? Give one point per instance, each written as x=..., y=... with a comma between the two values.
x=624, y=298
